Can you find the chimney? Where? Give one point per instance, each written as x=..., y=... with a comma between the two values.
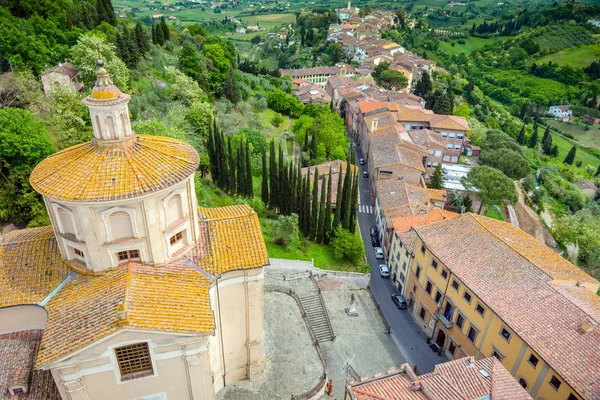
x=415, y=386
x=587, y=327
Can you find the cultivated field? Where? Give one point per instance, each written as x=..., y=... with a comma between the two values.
x=578, y=57
x=588, y=138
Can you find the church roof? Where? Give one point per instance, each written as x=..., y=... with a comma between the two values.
x=92, y=172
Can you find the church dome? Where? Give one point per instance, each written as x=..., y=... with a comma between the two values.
x=90, y=172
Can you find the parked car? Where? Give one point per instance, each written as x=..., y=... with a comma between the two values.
x=384, y=271
x=379, y=253
x=374, y=231
x=375, y=241
x=365, y=173
x=399, y=301
x=361, y=161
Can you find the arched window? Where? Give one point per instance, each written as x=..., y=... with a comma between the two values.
x=110, y=123
x=66, y=221
x=174, y=209
x=123, y=126
x=98, y=127
x=121, y=225
x=523, y=383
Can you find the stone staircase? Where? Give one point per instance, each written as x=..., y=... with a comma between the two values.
x=317, y=316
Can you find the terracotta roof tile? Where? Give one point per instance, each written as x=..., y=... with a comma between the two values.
x=394, y=386
x=90, y=172
x=512, y=274
x=449, y=122
x=404, y=224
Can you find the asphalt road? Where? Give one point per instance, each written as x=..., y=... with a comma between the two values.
x=407, y=335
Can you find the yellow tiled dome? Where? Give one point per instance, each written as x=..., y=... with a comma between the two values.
x=90, y=173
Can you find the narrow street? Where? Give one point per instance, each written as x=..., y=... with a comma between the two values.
x=406, y=333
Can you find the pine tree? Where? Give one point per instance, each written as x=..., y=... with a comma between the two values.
x=521, y=137
x=327, y=227
x=314, y=212
x=437, y=178
x=249, y=184
x=533, y=140
x=323, y=216
x=345, y=206
x=264, y=192
x=165, y=29
x=337, y=218
x=571, y=156
x=354, y=204
x=141, y=39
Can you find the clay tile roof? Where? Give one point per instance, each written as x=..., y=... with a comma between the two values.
x=18, y=352
x=231, y=239
x=406, y=223
x=408, y=239
x=449, y=122
x=412, y=113
x=89, y=172
x=410, y=158
x=438, y=195
x=30, y=266
x=396, y=386
x=427, y=138
x=393, y=193
x=513, y=274
x=368, y=106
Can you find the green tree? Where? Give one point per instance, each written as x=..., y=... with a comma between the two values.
x=320, y=237
x=327, y=220
x=231, y=90
x=571, y=156
x=159, y=34
x=165, y=29
x=264, y=192
x=314, y=213
x=521, y=137
x=141, y=38
x=347, y=246
x=346, y=202
x=547, y=144
x=490, y=185
x=306, y=216
x=85, y=55
x=387, y=78
x=533, y=140
x=190, y=62
x=337, y=218
x=65, y=118
x=105, y=12
x=284, y=231
x=513, y=164
x=424, y=85
x=354, y=204
x=437, y=178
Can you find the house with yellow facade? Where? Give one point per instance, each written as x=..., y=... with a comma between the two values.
x=481, y=287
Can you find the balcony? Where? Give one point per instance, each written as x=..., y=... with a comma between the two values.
x=447, y=324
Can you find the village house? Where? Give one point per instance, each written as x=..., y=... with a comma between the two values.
x=310, y=93
x=63, y=75
x=595, y=121
x=561, y=112
x=319, y=75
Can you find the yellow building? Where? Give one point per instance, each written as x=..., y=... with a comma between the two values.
x=481, y=287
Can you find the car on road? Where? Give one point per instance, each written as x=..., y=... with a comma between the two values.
x=361, y=161
x=375, y=241
x=399, y=301
x=384, y=271
x=379, y=253
x=365, y=174
x=373, y=231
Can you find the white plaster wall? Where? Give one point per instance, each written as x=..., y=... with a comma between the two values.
x=22, y=318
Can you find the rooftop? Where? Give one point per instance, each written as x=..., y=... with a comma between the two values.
x=531, y=288
x=405, y=223
x=396, y=194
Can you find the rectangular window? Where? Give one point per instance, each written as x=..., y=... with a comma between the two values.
x=428, y=287
x=422, y=249
x=472, y=335
x=435, y=164
x=444, y=274
x=402, y=277
x=452, y=134
x=444, y=134
x=404, y=265
x=555, y=382
x=505, y=334
x=414, y=288
x=418, y=273
x=460, y=321
x=134, y=361
x=454, y=159
x=449, y=146
x=452, y=348
x=422, y=313
x=460, y=135
x=78, y=252
x=497, y=354
x=385, y=172
x=533, y=360
x=455, y=285
x=413, y=127
x=128, y=254
x=467, y=297
x=438, y=297
x=438, y=153
x=176, y=238
x=434, y=264
x=457, y=147
x=480, y=310
x=446, y=158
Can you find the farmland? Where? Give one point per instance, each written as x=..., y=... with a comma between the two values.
x=588, y=138
x=471, y=43
x=578, y=57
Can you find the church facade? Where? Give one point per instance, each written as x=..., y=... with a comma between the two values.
x=134, y=292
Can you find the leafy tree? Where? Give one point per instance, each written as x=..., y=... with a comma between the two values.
x=389, y=79
x=65, y=118
x=571, y=156
x=513, y=164
x=284, y=231
x=190, y=62
x=347, y=246
x=424, y=85
x=85, y=55
x=490, y=185
x=437, y=178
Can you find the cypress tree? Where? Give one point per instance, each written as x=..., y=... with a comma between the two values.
x=554, y=151
x=132, y=49
x=306, y=138
x=160, y=35
x=231, y=89
x=547, y=143
x=327, y=226
x=321, y=232
x=345, y=206
x=313, y=146
x=101, y=13
x=597, y=171
x=314, y=213
x=249, y=183
x=223, y=168
x=300, y=203
x=264, y=189
x=306, y=214
x=571, y=156
x=337, y=218
x=272, y=177
x=232, y=166
x=289, y=188
x=354, y=204
x=210, y=148
x=437, y=178
x=281, y=199
x=110, y=12
x=141, y=39
x=533, y=140
x=299, y=195
x=154, y=39
x=521, y=137
x=546, y=133
x=165, y=29
x=241, y=170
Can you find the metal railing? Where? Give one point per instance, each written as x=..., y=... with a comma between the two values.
x=312, y=278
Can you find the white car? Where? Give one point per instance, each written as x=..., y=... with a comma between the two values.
x=379, y=253
x=384, y=271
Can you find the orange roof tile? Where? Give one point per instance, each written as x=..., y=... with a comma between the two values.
x=449, y=122
x=395, y=386
x=368, y=106
x=435, y=215
x=90, y=172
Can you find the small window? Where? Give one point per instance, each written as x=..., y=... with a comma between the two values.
x=505, y=334
x=460, y=321
x=457, y=147
x=418, y=273
x=480, y=310
x=128, y=254
x=78, y=252
x=533, y=360
x=402, y=278
x=176, y=238
x=555, y=382
x=434, y=264
x=414, y=289
x=452, y=348
x=422, y=249
x=472, y=335
x=572, y=397
x=428, y=287
x=134, y=361
x=467, y=297
x=496, y=353
x=455, y=285
x=523, y=383
x=422, y=313
x=404, y=265
x=438, y=297
x=444, y=274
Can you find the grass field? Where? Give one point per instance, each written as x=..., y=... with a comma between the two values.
x=588, y=138
x=564, y=145
x=471, y=43
x=578, y=57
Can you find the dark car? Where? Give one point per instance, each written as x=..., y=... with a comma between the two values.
x=373, y=231
x=399, y=301
x=375, y=241
x=365, y=174
x=361, y=161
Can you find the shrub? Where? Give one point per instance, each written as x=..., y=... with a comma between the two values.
x=347, y=246
x=285, y=231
